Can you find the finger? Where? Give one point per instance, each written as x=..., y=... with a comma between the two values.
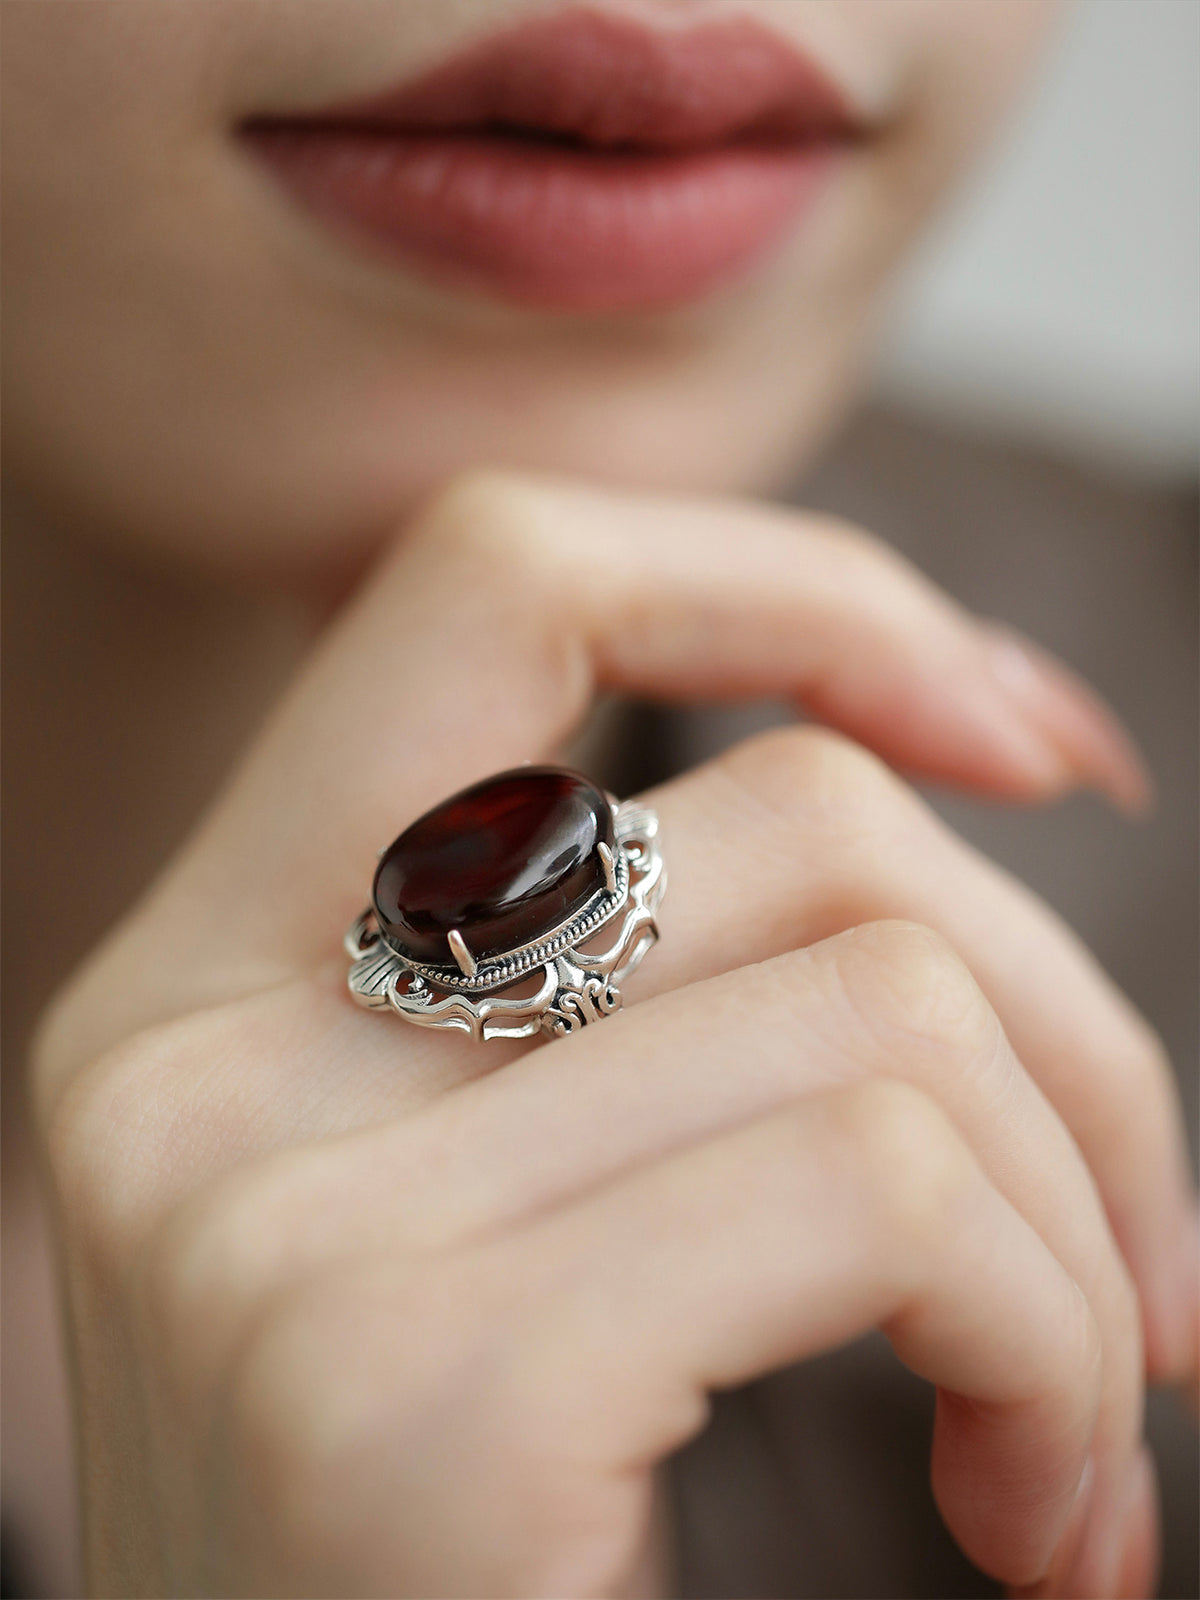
x=884, y=1001
x=788, y=1236
x=707, y=1276
x=508, y=603
x=479, y=644
x=798, y=835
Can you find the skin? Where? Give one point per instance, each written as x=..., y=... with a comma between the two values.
x=345, y=390
x=330, y=1328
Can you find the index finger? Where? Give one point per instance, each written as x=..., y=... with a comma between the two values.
x=509, y=603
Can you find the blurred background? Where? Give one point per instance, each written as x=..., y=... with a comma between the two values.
x=1030, y=440
x=1061, y=298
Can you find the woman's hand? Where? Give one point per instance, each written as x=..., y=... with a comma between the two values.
x=354, y=1313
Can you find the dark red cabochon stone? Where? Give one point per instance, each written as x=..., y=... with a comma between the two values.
x=503, y=862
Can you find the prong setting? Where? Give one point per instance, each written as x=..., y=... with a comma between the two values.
x=609, y=865
x=467, y=963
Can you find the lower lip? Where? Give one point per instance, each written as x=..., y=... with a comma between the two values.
x=553, y=225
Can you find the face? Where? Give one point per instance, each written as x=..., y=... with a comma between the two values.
x=275, y=267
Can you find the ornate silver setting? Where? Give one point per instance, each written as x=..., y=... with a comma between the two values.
x=577, y=987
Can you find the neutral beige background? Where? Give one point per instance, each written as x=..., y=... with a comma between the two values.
x=1061, y=294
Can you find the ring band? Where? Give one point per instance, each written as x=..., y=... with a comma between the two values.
x=516, y=906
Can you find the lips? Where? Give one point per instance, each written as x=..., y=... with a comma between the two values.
x=581, y=162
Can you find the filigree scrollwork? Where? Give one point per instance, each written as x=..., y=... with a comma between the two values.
x=575, y=1008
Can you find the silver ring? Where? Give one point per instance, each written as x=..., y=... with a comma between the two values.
x=516, y=906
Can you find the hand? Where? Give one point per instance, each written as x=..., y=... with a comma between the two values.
x=354, y=1312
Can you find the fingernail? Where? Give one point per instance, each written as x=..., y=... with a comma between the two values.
x=1016, y=749
x=1067, y=1550
x=1137, y=1569
x=1170, y=1285
x=1115, y=1524
x=1091, y=743
x=1187, y=1365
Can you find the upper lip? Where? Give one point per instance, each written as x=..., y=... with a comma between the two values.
x=610, y=81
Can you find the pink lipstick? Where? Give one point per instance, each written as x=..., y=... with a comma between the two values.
x=582, y=161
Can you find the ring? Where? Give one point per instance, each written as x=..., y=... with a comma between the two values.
x=486, y=912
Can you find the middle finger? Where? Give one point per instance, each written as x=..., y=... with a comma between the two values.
x=799, y=835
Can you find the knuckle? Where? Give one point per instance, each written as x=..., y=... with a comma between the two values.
x=490, y=517
x=1082, y=1346
x=71, y=1040
x=255, y=1233
x=817, y=777
x=127, y=1135
x=274, y=1406
x=208, y=1265
x=860, y=556
x=853, y=544
x=350, y=1393
x=54, y=1051
x=1104, y=1278
x=910, y=988
x=335, y=1370
x=100, y=1138
x=914, y=1166
x=280, y=1422
x=509, y=529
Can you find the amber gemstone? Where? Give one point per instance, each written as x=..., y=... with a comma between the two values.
x=504, y=862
